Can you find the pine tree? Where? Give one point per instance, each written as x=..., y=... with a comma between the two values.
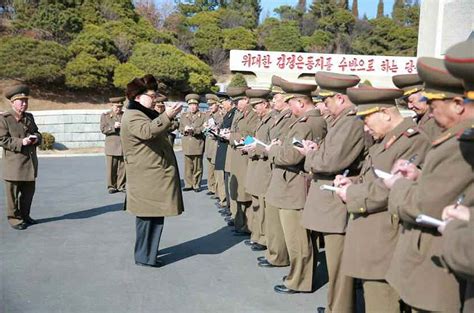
x=380, y=8
x=355, y=8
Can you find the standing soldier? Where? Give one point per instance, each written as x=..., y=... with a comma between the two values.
x=110, y=127
x=212, y=118
x=372, y=232
x=244, y=125
x=415, y=271
x=19, y=137
x=277, y=252
x=191, y=127
x=287, y=191
x=343, y=149
x=160, y=107
x=259, y=167
x=412, y=97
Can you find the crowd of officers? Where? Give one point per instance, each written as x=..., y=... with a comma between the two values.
x=339, y=135
x=296, y=167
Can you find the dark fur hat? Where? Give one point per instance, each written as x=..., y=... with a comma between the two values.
x=136, y=87
x=150, y=82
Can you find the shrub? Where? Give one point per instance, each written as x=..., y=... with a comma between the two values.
x=47, y=142
x=238, y=80
x=124, y=73
x=85, y=71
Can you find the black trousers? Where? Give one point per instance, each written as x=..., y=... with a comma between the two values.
x=226, y=183
x=149, y=231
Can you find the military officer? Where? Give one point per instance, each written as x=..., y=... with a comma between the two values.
x=259, y=166
x=243, y=125
x=213, y=118
x=19, y=137
x=412, y=89
x=287, y=193
x=372, y=232
x=191, y=127
x=160, y=107
x=277, y=252
x=110, y=127
x=343, y=149
x=415, y=271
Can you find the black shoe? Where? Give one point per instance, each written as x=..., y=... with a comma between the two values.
x=209, y=193
x=320, y=309
x=197, y=189
x=220, y=206
x=230, y=223
x=21, y=226
x=249, y=242
x=228, y=218
x=187, y=188
x=240, y=233
x=284, y=278
x=258, y=247
x=265, y=263
x=261, y=258
x=112, y=190
x=214, y=197
x=223, y=210
x=226, y=214
x=285, y=290
x=29, y=221
x=158, y=263
x=122, y=190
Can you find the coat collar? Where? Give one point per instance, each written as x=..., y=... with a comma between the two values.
x=456, y=130
x=348, y=111
x=133, y=105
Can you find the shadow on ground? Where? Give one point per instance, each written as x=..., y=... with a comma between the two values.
x=84, y=214
x=214, y=243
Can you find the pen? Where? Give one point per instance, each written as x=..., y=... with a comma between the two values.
x=459, y=200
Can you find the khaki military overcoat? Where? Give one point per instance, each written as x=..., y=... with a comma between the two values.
x=113, y=146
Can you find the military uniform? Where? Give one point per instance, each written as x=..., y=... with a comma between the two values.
x=113, y=147
x=259, y=166
x=211, y=145
x=411, y=84
x=372, y=232
x=344, y=147
x=245, y=125
x=20, y=163
x=416, y=272
x=287, y=192
x=193, y=144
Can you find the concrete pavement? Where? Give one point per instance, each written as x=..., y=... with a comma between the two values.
x=80, y=258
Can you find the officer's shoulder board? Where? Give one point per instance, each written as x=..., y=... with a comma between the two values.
x=411, y=132
x=466, y=134
x=299, y=120
x=5, y=114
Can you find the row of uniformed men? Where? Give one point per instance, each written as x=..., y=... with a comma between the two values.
x=278, y=190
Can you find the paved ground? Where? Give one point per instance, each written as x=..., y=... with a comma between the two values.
x=79, y=259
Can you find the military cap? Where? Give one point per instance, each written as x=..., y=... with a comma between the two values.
x=315, y=96
x=236, y=93
x=118, y=101
x=296, y=89
x=212, y=98
x=257, y=95
x=276, y=80
x=410, y=83
x=439, y=83
x=459, y=60
x=370, y=100
x=333, y=83
x=192, y=98
x=17, y=92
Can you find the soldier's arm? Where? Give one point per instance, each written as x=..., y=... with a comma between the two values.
x=6, y=141
x=372, y=196
x=338, y=154
x=142, y=128
x=286, y=154
x=182, y=124
x=458, y=238
x=199, y=127
x=105, y=127
x=35, y=130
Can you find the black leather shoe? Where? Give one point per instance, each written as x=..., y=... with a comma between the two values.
x=258, y=247
x=230, y=223
x=285, y=290
x=240, y=233
x=226, y=214
x=261, y=258
x=320, y=309
x=29, y=221
x=220, y=206
x=265, y=263
x=21, y=226
x=123, y=190
x=214, y=197
x=197, y=189
x=228, y=218
x=158, y=263
x=209, y=193
x=112, y=190
x=187, y=188
x=249, y=242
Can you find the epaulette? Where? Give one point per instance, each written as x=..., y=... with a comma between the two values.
x=352, y=112
x=466, y=135
x=299, y=120
x=6, y=114
x=411, y=132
